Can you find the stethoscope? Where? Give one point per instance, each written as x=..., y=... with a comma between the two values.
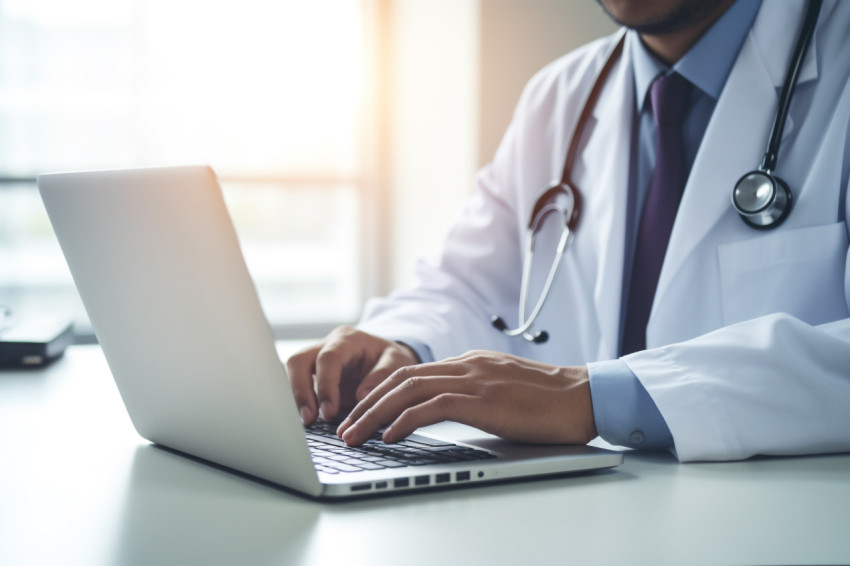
x=762, y=199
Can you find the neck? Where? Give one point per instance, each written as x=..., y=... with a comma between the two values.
x=670, y=47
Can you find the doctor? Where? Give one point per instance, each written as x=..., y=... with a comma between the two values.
x=741, y=345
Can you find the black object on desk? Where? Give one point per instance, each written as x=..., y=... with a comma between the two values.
x=33, y=341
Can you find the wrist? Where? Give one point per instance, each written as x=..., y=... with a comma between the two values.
x=409, y=353
x=581, y=402
x=589, y=415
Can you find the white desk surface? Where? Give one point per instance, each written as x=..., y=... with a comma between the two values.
x=78, y=486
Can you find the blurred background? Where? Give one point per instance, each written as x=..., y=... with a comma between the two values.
x=345, y=133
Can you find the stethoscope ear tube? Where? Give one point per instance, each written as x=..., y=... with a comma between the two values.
x=572, y=213
x=526, y=323
x=564, y=201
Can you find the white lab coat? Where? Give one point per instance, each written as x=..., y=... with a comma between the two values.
x=749, y=337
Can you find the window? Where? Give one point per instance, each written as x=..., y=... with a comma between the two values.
x=273, y=95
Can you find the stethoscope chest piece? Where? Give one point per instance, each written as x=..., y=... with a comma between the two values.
x=763, y=200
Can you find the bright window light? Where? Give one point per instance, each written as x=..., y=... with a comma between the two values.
x=270, y=94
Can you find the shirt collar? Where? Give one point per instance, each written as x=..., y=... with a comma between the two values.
x=707, y=64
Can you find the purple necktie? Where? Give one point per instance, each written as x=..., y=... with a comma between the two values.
x=668, y=95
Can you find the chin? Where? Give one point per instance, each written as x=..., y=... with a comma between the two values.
x=661, y=17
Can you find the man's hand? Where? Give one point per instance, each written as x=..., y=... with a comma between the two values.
x=510, y=397
x=341, y=370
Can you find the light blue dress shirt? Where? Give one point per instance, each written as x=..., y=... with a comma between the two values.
x=625, y=414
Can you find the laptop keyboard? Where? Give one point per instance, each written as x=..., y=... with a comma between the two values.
x=332, y=456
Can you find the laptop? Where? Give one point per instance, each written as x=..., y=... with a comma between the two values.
x=155, y=257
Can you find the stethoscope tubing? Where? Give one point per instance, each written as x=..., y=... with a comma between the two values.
x=542, y=208
x=768, y=163
x=526, y=323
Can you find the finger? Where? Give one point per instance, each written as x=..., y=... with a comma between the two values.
x=380, y=390
x=342, y=349
x=387, y=408
x=450, y=366
x=383, y=382
x=465, y=409
x=299, y=370
x=391, y=359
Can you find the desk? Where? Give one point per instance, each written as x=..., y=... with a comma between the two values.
x=79, y=486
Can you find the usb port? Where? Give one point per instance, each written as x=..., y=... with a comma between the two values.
x=380, y=485
x=401, y=482
x=462, y=476
x=442, y=478
x=422, y=480
x=361, y=487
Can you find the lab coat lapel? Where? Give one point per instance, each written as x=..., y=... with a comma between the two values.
x=603, y=177
x=736, y=136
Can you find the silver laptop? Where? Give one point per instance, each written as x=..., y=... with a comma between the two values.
x=156, y=260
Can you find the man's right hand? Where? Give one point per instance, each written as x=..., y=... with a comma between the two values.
x=330, y=377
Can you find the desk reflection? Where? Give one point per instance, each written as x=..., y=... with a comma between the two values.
x=178, y=511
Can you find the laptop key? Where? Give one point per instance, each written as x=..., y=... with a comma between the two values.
x=371, y=458
x=390, y=464
x=343, y=467
x=326, y=439
x=424, y=440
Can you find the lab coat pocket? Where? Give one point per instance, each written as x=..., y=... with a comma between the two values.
x=799, y=272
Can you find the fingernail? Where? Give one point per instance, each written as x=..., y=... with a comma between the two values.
x=325, y=409
x=305, y=414
x=349, y=434
x=342, y=427
x=387, y=437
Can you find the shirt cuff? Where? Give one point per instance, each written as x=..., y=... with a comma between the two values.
x=625, y=414
x=422, y=351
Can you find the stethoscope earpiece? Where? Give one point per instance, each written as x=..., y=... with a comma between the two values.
x=763, y=200
x=498, y=323
x=538, y=337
